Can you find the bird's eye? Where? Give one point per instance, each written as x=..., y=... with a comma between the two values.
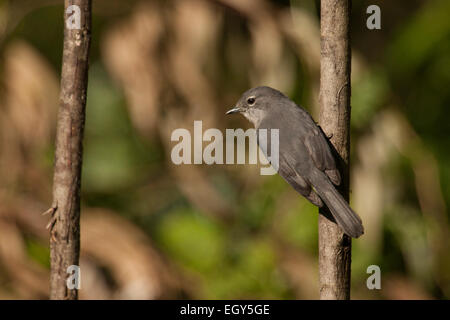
x=250, y=101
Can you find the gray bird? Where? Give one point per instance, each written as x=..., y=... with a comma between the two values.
x=305, y=158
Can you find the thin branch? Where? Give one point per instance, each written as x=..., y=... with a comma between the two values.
x=334, y=245
x=65, y=224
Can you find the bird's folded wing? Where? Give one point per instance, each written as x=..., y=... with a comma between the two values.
x=320, y=153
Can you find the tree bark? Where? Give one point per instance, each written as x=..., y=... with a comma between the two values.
x=65, y=224
x=334, y=99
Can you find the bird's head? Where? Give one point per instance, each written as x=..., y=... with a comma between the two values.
x=256, y=103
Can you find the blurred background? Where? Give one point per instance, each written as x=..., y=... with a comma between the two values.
x=150, y=229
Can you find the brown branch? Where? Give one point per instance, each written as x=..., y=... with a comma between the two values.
x=65, y=224
x=334, y=245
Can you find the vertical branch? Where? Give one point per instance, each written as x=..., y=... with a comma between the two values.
x=65, y=224
x=335, y=59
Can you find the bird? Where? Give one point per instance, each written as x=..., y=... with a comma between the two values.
x=305, y=158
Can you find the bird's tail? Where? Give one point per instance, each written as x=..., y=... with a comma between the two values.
x=345, y=217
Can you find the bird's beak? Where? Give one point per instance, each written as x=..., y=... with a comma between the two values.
x=234, y=110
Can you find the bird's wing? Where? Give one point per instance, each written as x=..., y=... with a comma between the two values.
x=290, y=175
x=320, y=152
x=312, y=141
x=296, y=181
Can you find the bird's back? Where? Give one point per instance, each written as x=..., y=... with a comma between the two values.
x=294, y=124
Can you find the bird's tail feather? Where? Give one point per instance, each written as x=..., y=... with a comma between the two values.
x=345, y=217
